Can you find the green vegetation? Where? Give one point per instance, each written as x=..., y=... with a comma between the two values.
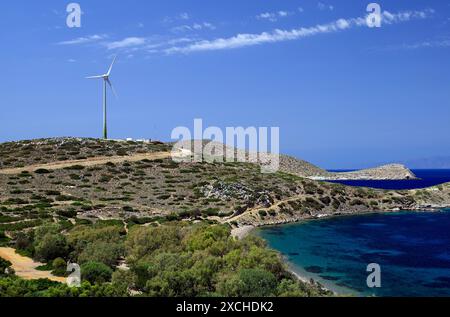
x=4, y=265
x=96, y=272
x=175, y=259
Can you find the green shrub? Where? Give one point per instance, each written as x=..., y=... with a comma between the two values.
x=59, y=266
x=3, y=266
x=102, y=252
x=69, y=213
x=95, y=272
x=42, y=171
x=250, y=283
x=262, y=213
x=50, y=247
x=75, y=168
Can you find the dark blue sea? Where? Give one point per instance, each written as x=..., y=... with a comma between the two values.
x=412, y=249
x=427, y=178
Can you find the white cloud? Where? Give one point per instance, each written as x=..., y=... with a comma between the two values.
x=184, y=16
x=243, y=40
x=194, y=27
x=301, y=10
x=273, y=16
x=322, y=6
x=126, y=42
x=71, y=60
x=84, y=40
x=445, y=43
x=209, y=26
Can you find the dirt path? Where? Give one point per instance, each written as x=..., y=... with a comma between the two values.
x=26, y=267
x=101, y=160
x=258, y=208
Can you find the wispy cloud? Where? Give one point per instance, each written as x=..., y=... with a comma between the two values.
x=443, y=43
x=273, y=16
x=84, y=40
x=182, y=16
x=126, y=43
x=243, y=40
x=194, y=27
x=323, y=6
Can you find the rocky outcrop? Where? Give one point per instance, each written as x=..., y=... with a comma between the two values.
x=387, y=172
x=226, y=191
x=337, y=200
x=298, y=167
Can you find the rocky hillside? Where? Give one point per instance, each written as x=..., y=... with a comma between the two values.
x=153, y=190
x=32, y=152
x=301, y=168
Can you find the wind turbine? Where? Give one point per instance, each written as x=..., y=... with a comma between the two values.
x=106, y=80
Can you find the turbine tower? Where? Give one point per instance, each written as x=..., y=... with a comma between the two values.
x=106, y=80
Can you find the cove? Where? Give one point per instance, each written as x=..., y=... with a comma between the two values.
x=412, y=248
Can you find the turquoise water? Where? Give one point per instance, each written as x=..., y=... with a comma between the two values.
x=413, y=250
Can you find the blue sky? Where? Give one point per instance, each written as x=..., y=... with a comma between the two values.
x=344, y=95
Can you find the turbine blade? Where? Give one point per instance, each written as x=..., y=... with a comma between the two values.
x=94, y=77
x=112, y=88
x=111, y=67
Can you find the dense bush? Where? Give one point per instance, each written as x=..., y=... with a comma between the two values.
x=101, y=251
x=178, y=260
x=15, y=287
x=42, y=171
x=24, y=242
x=249, y=283
x=3, y=266
x=68, y=213
x=3, y=238
x=59, y=266
x=81, y=236
x=95, y=272
x=51, y=246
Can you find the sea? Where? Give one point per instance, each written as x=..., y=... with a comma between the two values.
x=411, y=249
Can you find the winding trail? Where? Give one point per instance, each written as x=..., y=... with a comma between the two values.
x=257, y=208
x=26, y=268
x=100, y=160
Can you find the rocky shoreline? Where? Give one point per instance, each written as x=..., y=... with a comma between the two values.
x=387, y=172
x=245, y=230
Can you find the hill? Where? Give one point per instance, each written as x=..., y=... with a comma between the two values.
x=139, y=223
x=70, y=179
x=301, y=168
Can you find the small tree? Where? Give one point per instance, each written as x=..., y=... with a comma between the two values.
x=95, y=272
x=59, y=267
x=51, y=247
